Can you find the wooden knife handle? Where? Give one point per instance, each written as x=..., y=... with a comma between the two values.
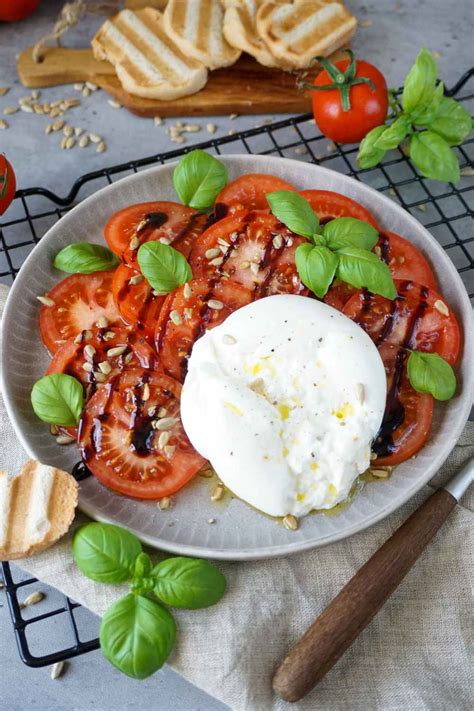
x=357, y=603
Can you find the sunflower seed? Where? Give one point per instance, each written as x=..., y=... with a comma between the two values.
x=188, y=313
x=254, y=268
x=100, y=148
x=54, y=112
x=128, y=357
x=78, y=338
x=162, y=412
x=83, y=141
x=38, y=109
x=87, y=335
x=164, y=240
x=65, y=439
x=78, y=131
x=176, y=318
x=90, y=85
x=45, y=300
x=187, y=291
x=218, y=492
x=27, y=109
x=192, y=127
x=48, y=128
x=79, y=86
x=114, y=104
x=177, y=139
x=164, y=503
x=9, y=110
x=109, y=335
x=211, y=520
x=134, y=243
x=212, y=253
x=3, y=124
x=99, y=377
x=163, y=439
x=57, y=670
x=380, y=473
x=211, y=127
x=277, y=241
x=223, y=243
x=137, y=279
x=88, y=367
x=117, y=351
x=145, y=392
x=290, y=522
x=215, y=304
x=441, y=307
x=301, y=150
x=105, y=367
x=217, y=262
x=53, y=430
x=95, y=138
x=63, y=143
x=89, y=352
x=57, y=125
x=102, y=322
x=32, y=599
x=228, y=339
x=166, y=423
x=169, y=450
x=466, y=172
x=68, y=131
x=158, y=121
x=230, y=132
x=86, y=92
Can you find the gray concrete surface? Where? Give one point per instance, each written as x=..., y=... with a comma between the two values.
x=391, y=42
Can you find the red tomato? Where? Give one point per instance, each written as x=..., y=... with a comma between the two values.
x=7, y=183
x=192, y=316
x=408, y=414
x=168, y=222
x=119, y=441
x=136, y=303
x=253, y=249
x=249, y=192
x=339, y=294
x=418, y=319
x=328, y=205
x=80, y=300
x=12, y=10
x=405, y=261
x=368, y=106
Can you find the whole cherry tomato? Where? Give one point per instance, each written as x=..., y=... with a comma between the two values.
x=12, y=10
x=7, y=184
x=350, y=98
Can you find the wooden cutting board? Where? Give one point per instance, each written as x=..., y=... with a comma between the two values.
x=244, y=88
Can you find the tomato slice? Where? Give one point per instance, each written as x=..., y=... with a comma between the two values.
x=123, y=444
x=249, y=192
x=185, y=317
x=404, y=260
x=253, y=249
x=168, y=222
x=80, y=300
x=328, y=205
x=418, y=319
x=339, y=294
x=136, y=302
x=408, y=414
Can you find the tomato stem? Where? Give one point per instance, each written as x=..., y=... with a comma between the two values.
x=342, y=81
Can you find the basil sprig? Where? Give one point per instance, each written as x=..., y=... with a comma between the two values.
x=58, y=399
x=431, y=122
x=85, y=258
x=198, y=179
x=340, y=248
x=137, y=633
x=429, y=373
x=163, y=266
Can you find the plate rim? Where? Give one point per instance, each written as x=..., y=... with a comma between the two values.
x=279, y=550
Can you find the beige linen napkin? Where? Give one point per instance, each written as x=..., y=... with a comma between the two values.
x=412, y=656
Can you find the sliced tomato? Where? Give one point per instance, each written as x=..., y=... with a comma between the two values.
x=80, y=300
x=404, y=260
x=328, y=205
x=418, y=319
x=121, y=444
x=339, y=294
x=184, y=318
x=249, y=192
x=136, y=302
x=253, y=249
x=168, y=222
x=408, y=414
x=101, y=354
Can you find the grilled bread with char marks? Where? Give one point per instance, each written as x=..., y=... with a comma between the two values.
x=148, y=63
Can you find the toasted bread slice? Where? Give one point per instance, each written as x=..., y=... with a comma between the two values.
x=37, y=507
x=197, y=28
x=240, y=30
x=148, y=63
x=298, y=32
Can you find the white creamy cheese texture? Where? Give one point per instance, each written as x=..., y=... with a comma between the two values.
x=284, y=399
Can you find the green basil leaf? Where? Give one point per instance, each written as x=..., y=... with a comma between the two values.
x=429, y=373
x=294, y=211
x=368, y=155
x=424, y=114
x=198, y=179
x=316, y=267
x=365, y=270
x=143, y=566
x=188, y=582
x=350, y=232
x=163, y=266
x=105, y=553
x=452, y=122
x=420, y=82
x=393, y=134
x=58, y=399
x=85, y=258
x=433, y=157
x=137, y=635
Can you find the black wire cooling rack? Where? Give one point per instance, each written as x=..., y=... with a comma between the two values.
x=445, y=209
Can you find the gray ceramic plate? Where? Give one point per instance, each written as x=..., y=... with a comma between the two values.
x=239, y=532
